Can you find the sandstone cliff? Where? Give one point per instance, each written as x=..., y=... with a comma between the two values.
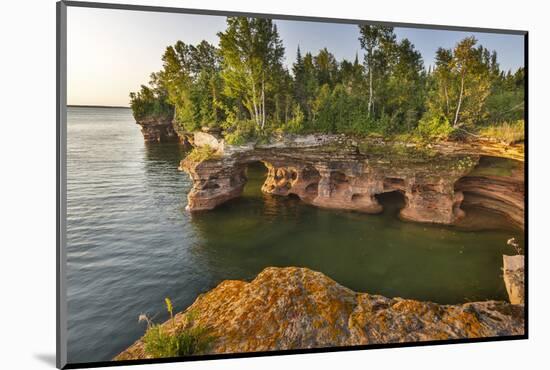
x=157, y=130
x=496, y=185
x=335, y=172
x=297, y=308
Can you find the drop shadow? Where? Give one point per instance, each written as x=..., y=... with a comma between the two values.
x=46, y=358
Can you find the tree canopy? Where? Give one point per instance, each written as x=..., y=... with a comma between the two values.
x=242, y=86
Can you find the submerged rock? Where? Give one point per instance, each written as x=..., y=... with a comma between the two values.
x=297, y=308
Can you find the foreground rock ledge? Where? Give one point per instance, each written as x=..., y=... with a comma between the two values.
x=297, y=308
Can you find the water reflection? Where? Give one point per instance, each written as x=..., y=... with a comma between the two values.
x=131, y=244
x=375, y=253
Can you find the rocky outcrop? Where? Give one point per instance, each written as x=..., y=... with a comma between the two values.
x=334, y=172
x=497, y=189
x=297, y=308
x=157, y=130
x=514, y=276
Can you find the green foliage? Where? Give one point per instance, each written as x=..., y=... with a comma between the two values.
x=243, y=87
x=252, y=57
x=341, y=111
x=150, y=103
x=433, y=126
x=241, y=131
x=506, y=102
x=202, y=153
x=190, y=84
x=158, y=343
x=161, y=341
x=296, y=124
x=462, y=84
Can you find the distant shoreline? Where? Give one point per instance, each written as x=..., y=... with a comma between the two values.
x=95, y=106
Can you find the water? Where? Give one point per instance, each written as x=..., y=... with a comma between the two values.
x=131, y=243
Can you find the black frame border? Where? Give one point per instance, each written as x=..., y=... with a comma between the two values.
x=61, y=193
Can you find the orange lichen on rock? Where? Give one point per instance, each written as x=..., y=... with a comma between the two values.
x=297, y=308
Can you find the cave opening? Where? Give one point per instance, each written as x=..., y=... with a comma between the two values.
x=256, y=174
x=311, y=176
x=391, y=201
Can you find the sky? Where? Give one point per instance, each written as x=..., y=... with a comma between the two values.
x=112, y=52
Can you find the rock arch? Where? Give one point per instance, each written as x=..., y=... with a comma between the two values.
x=348, y=181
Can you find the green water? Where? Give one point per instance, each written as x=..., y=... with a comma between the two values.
x=130, y=242
x=371, y=253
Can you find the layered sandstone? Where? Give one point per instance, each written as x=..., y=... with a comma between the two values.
x=297, y=308
x=157, y=130
x=334, y=172
x=497, y=189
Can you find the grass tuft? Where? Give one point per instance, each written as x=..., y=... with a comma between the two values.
x=507, y=132
x=203, y=153
x=159, y=342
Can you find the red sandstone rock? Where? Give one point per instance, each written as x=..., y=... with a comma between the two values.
x=158, y=130
x=297, y=308
x=502, y=193
x=335, y=177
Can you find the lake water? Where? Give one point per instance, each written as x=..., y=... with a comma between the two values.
x=131, y=243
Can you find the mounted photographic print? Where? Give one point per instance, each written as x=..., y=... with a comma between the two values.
x=236, y=184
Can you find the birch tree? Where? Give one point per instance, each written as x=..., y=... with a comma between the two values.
x=372, y=39
x=252, y=55
x=471, y=66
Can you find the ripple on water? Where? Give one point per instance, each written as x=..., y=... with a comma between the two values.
x=131, y=243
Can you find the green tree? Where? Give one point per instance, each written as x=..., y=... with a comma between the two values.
x=351, y=75
x=462, y=84
x=151, y=103
x=373, y=40
x=305, y=83
x=405, y=87
x=506, y=101
x=443, y=76
x=175, y=76
x=252, y=57
x=191, y=77
x=326, y=68
x=474, y=82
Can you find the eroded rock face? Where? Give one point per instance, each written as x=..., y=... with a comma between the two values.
x=514, y=276
x=496, y=189
x=158, y=130
x=336, y=175
x=297, y=308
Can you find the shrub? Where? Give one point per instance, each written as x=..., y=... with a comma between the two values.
x=507, y=132
x=296, y=124
x=203, y=153
x=160, y=342
x=240, y=131
x=434, y=126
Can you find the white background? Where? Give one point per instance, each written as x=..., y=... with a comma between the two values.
x=27, y=154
